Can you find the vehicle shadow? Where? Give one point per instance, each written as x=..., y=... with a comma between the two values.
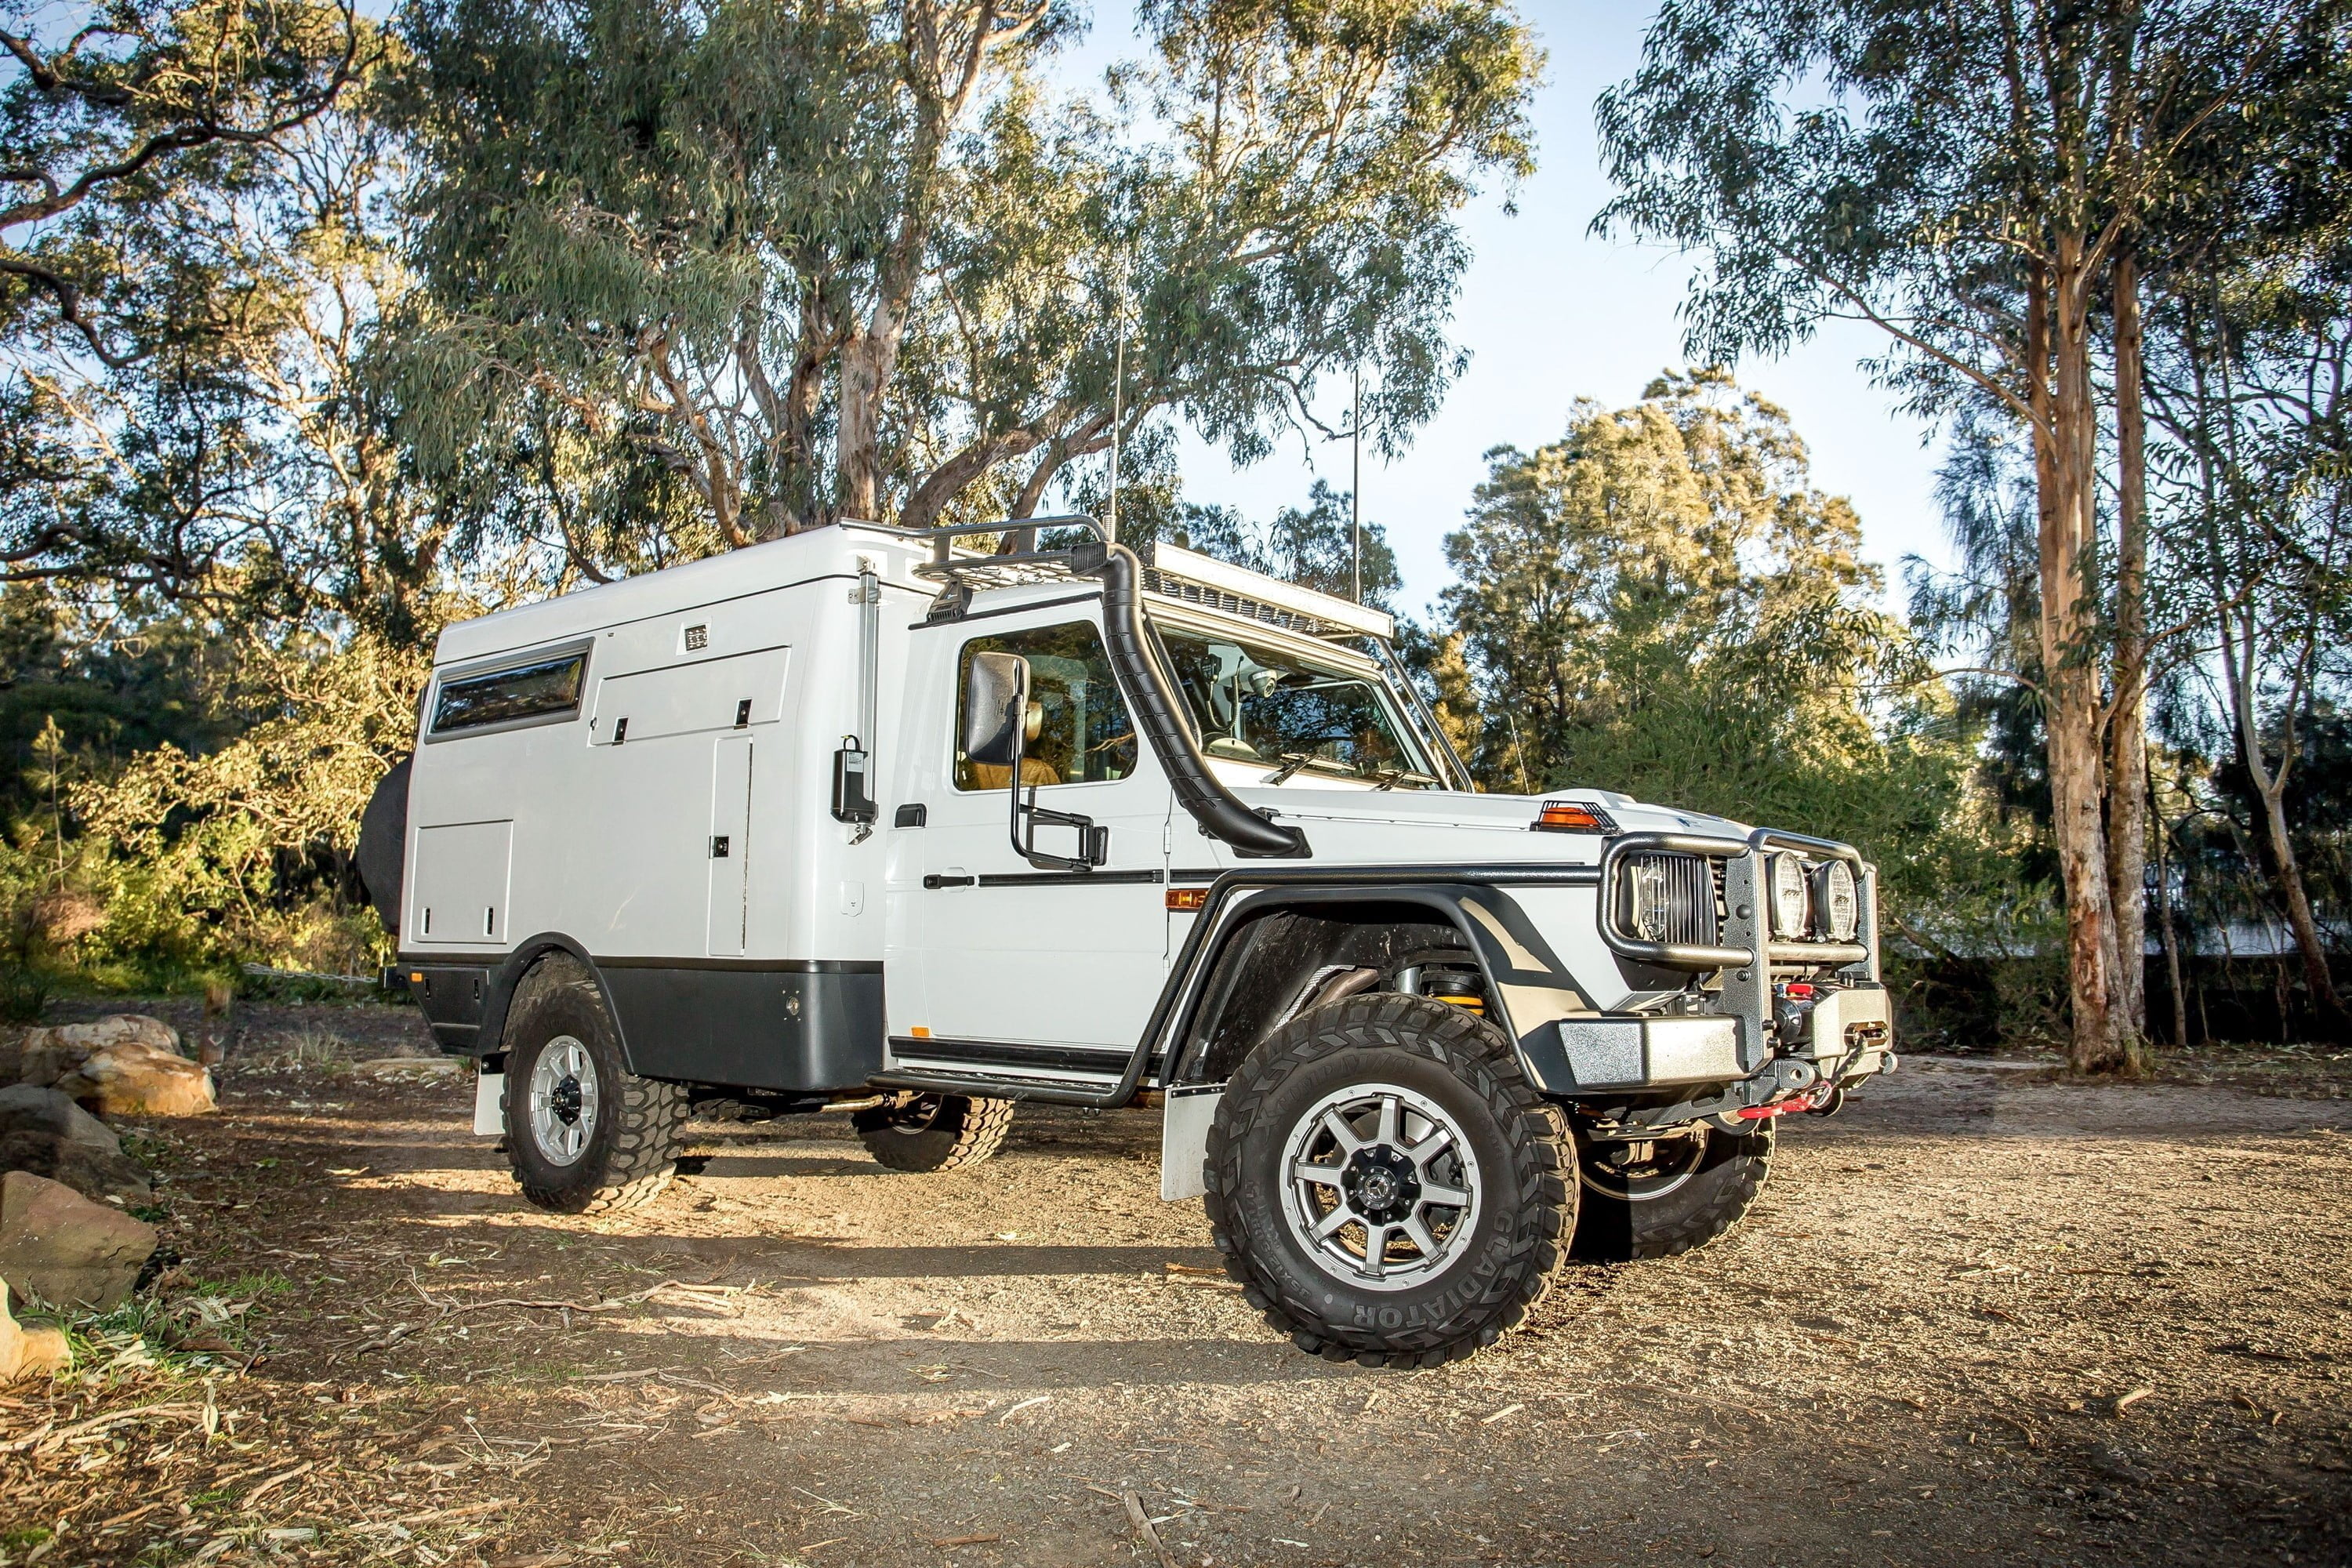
x=831, y=1260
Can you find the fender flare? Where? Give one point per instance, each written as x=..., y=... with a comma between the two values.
x=1529, y=990
x=508, y=977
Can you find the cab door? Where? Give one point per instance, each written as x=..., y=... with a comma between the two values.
x=1033, y=969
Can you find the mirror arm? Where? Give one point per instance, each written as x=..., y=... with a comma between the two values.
x=1094, y=843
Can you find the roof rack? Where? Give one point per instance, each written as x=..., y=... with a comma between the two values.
x=1183, y=576
x=979, y=573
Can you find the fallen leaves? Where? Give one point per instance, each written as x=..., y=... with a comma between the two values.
x=280, y=1479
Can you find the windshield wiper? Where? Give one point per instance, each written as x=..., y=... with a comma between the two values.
x=1291, y=763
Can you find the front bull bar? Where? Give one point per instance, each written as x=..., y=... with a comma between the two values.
x=1747, y=952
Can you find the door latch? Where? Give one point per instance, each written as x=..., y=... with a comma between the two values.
x=718, y=847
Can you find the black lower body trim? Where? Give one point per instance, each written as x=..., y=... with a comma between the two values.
x=452, y=997
x=774, y=1027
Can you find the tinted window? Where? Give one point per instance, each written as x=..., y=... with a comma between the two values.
x=1082, y=734
x=543, y=688
x=1259, y=705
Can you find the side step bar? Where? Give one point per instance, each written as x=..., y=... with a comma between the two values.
x=1052, y=1091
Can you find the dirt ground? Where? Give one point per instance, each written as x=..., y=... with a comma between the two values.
x=1980, y=1317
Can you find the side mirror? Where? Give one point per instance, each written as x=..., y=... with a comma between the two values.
x=995, y=708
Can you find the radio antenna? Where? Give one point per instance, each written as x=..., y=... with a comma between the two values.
x=1117, y=384
x=1356, y=485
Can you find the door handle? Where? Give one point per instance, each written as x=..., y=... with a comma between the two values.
x=951, y=878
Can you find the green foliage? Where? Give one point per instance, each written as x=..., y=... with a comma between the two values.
x=703, y=275
x=164, y=163
x=1661, y=604
x=245, y=849
x=178, y=863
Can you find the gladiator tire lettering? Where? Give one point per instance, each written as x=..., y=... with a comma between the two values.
x=1462, y=1066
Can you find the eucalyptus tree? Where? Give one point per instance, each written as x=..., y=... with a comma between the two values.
x=142, y=147
x=1662, y=599
x=2249, y=374
x=1974, y=181
x=823, y=260
x=1291, y=218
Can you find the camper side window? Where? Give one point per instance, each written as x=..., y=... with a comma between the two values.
x=539, y=691
x=1080, y=732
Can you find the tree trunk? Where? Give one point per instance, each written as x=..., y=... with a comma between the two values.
x=2127, y=725
x=2315, y=976
x=2169, y=936
x=2064, y=458
x=867, y=363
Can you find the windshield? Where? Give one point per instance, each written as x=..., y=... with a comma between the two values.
x=1256, y=704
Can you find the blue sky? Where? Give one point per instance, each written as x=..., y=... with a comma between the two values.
x=1550, y=314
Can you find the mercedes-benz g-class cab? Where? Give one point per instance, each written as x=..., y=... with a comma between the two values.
x=861, y=821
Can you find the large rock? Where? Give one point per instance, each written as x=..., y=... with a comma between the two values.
x=47, y=1055
x=59, y=1247
x=127, y=1065
x=43, y=1131
x=136, y=1079
x=35, y=1352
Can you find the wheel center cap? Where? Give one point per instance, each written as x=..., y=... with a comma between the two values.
x=565, y=1101
x=1381, y=1184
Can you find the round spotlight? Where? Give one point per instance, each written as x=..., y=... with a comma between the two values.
x=1840, y=901
x=1792, y=900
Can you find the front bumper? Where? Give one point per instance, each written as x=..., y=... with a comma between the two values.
x=1847, y=1036
x=1746, y=951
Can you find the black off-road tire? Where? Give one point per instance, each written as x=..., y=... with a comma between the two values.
x=631, y=1150
x=1460, y=1064
x=933, y=1131
x=1725, y=1185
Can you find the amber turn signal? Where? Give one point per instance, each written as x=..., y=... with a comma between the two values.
x=1570, y=816
x=1188, y=901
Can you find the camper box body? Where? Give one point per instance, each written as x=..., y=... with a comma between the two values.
x=673, y=828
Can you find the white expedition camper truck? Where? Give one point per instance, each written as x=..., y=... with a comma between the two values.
x=858, y=820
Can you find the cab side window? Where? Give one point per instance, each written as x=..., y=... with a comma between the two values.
x=1078, y=729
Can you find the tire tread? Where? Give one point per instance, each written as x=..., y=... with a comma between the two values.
x=1479, y=1056
x=978, y=1132
x=649, y=1118
x=1607, y=1238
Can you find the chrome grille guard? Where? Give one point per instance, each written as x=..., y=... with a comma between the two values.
x=1747, y=952
x=1746, y=938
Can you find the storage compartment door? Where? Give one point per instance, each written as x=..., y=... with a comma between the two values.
x=729, y=844
x=731, y=693
x=460, y=885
